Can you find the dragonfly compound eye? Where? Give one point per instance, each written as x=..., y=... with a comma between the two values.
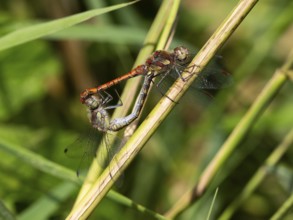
x=92, y=102
x=181, y=53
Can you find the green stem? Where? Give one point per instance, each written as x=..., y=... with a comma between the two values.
x=159, y=113
x=280, y=214
x=237, y=135
x=258, y=177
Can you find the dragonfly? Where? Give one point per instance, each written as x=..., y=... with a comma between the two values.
x=161, y=63
x=97, y=107
x=85, y=147
x=99, y=116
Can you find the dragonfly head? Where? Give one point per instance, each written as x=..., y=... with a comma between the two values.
x=181, y=53
x=92, y=101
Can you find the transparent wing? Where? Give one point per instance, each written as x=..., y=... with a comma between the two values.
x=85, y=149
x=214, y=75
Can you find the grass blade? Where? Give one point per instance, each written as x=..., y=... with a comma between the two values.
x=40, y=30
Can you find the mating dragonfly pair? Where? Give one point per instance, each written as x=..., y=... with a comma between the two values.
x=161, y=64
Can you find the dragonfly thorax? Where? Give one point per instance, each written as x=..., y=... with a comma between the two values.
x=99, y=118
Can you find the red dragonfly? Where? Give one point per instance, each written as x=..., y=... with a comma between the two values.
x=161, y=63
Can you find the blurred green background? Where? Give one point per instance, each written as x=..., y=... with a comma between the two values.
x=40, y=82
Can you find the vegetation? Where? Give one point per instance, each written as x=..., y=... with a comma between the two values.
x=217, y=155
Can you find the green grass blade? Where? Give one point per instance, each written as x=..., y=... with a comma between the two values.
x=5, y=213
x=259, y=176
x=284, y=209
x=38, y=161
x=41, y=30
x=212, y=205
x=54, y=169
x=109, y=34
x=131, y=204
x=237, y=135
x=47, y=205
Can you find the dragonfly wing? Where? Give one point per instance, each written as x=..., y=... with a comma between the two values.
x=213, y=79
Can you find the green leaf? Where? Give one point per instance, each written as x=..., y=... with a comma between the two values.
x=41, y=30
x=47, y=205
x=110, y=33
x=37, y=161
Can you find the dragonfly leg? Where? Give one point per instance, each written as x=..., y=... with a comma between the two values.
x=108, y=99
x=162, y=93
x=162, y=78
x=189, y=70
x=120, y=103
